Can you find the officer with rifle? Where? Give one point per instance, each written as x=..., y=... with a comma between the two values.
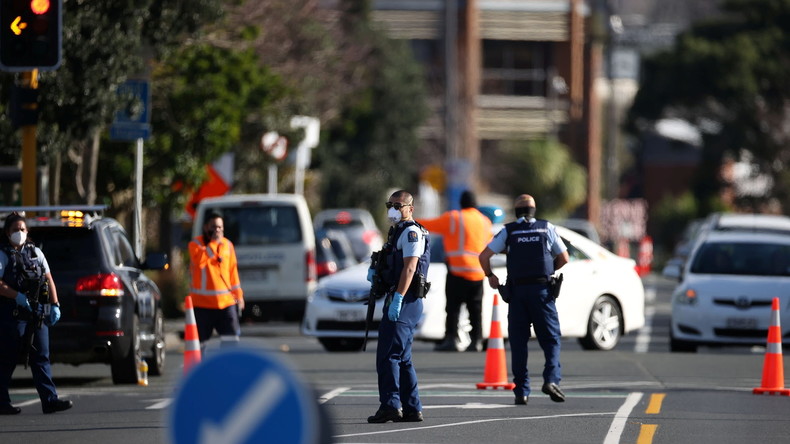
x=403, y=274
x=28, y=307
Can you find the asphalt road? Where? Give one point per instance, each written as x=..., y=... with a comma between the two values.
x=639, y=392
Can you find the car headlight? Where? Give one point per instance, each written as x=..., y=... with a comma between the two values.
x=686, y=296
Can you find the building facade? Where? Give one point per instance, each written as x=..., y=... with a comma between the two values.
x=502, y=70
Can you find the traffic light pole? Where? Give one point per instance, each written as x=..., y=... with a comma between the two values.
x=29, y=161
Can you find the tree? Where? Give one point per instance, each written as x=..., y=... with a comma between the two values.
x=372, y=147
x=543, y=168
x=104, y=43
x=731, y=78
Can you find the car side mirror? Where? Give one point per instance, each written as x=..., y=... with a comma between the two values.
x=155, y=261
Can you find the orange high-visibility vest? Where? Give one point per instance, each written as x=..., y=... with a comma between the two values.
x=215, y=275
x=466, y=233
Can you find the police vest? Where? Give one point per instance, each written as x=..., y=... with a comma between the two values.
x=23, y=272
x=528, y=254
x=395, y=257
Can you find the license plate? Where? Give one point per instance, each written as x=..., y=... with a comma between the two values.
x=742, y=323
x=253, y=275
x=349, y=315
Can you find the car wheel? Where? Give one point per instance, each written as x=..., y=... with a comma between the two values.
x=156, y=363
x=677, y=345
x=605, y=325
x=342, y=344
x=124, y=368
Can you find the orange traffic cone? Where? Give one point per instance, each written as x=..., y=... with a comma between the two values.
x=773, y=367
x=495, y=375
x=191, y=340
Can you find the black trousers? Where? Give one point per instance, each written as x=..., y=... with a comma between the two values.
x=462, y=291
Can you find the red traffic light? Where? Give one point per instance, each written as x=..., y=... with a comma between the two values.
x=39, y=6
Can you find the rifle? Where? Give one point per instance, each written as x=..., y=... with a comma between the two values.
x=378, y=288
x=38, y=293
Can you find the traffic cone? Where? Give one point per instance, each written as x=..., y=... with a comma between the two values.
x=495, y=374
x=773, y=366
x=645, y=258
x=191, y=340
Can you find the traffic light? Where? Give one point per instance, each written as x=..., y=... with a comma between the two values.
x=30, y=37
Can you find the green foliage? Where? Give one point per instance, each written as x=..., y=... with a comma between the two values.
x=669, y=218
x=372, y=147
x=544, y=169
x=731, y=78
x=205, y=96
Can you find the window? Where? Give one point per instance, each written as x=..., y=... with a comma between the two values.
x=266, y=225
x=124, y=253
x=743, y=259
x=515, y=68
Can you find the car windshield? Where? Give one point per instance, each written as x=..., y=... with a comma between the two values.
x=741, y=258
x=262, y=225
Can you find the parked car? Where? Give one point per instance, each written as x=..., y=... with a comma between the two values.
x=358, y=224
x=275, y=249
x=341, y=247
x=325, y=260
x=111, y=311
x=727, y=287
x=697, y=229
x=602, y=298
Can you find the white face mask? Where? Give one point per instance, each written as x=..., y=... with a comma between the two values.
x=394, y=216
x=18, y=238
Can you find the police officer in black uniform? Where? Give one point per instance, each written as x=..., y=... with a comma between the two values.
x=534, y=253
x=408, y=256
x=23, y=265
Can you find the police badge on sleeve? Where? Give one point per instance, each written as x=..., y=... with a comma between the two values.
x=412, y=236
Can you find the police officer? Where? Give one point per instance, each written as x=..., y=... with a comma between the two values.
x=407, y=261
x=534, y=253
x=22, y=262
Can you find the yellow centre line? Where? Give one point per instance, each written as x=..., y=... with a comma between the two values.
x=654, y=407
x=648, y=431
x=646, y=434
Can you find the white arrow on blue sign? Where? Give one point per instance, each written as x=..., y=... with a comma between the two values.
x=243, y=396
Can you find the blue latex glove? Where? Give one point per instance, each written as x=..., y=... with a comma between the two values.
x=21, y=300
x=394, y=312
x=371, y=275
x=54, y=315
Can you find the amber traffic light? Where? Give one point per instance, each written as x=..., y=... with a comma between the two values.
x=30, y=37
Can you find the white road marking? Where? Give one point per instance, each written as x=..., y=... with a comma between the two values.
x=479, y=421
x=469, y=405
x=331, y=394
x=620, y=418
x=643, y=337
x=259, y=400
x=160, y=404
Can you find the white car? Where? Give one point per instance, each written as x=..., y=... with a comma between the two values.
x=727, y=287
x=602, y=298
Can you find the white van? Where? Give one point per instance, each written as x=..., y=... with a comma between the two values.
x=275, y=249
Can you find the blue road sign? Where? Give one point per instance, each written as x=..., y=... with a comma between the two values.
x=134, y=121
x=243, y=396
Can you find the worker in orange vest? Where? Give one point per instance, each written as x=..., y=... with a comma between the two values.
x=466, y=233
x=215, y=287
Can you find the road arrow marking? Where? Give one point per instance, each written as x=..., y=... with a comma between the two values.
x=260, y=399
